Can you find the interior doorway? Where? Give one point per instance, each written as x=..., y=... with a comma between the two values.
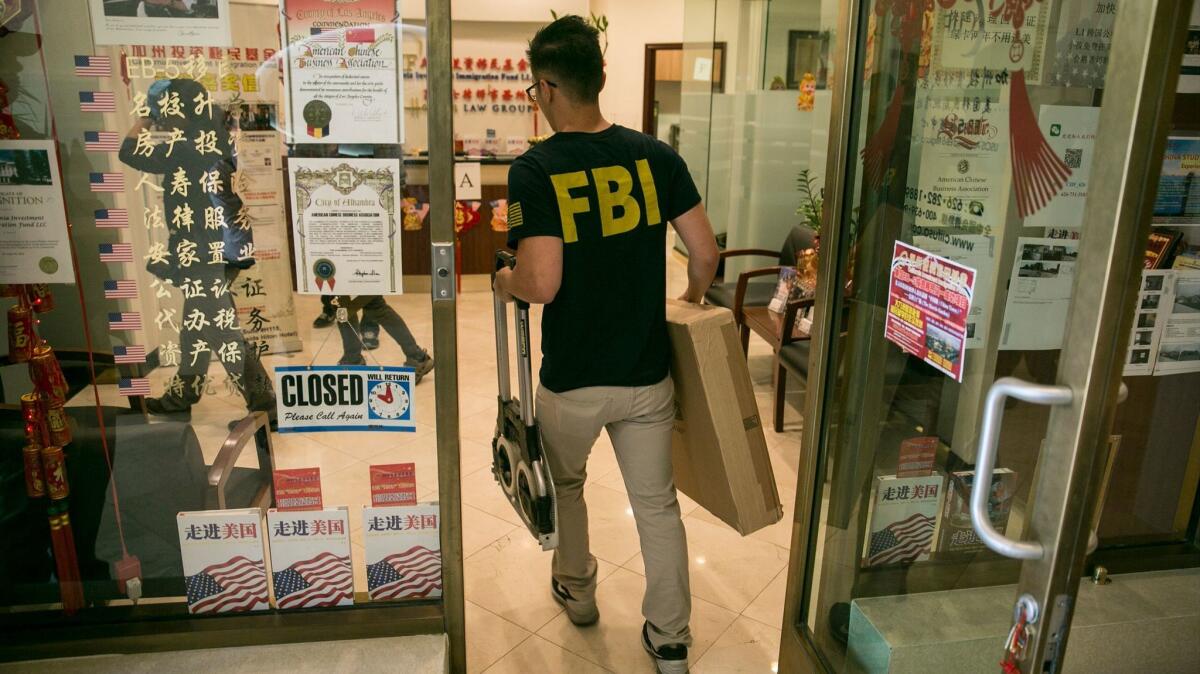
x=668, y=67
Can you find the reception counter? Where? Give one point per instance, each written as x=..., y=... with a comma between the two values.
x=478, y=242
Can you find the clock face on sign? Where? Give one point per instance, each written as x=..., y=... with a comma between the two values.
x=387, y=399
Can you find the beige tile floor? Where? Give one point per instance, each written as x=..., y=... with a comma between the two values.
x=512, y=623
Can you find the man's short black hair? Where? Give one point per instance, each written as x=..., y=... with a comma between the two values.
x=568, y=52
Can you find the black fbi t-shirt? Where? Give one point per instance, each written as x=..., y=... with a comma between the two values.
x=609, y=196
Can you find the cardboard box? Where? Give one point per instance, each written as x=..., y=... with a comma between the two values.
x=719, y=451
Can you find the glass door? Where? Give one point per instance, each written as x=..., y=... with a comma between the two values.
x=981, y=258
x=228, y=229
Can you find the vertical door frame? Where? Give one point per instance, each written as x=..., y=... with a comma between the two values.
x=1143, y=69
x=1122, y=193
x=797, y=653
x=648, y=80
x=445, y=325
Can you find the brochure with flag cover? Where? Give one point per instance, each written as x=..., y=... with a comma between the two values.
x=903, y=519
x=223, y=560
x=403, y=551
x=310, y=557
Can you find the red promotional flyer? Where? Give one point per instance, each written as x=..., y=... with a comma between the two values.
x=393, y=484
x=929, y=298
x=298, y=489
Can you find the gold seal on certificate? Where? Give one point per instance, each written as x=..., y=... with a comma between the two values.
x=323, y=271
x=317, y=116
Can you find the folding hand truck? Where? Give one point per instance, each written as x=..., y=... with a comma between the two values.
x=517, y=460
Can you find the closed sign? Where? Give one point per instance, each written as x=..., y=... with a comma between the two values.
x=344, y=398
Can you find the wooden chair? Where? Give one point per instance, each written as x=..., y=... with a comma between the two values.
x=790, y=349
x=746, y=292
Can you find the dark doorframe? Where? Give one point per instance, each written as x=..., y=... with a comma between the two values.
x=651, y=62
x=649, y=79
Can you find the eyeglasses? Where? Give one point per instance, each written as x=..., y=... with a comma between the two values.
x=531, y=90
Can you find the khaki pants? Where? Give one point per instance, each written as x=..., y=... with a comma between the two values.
x=639, y=421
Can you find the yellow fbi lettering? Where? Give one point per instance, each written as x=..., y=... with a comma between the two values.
x=614, y=189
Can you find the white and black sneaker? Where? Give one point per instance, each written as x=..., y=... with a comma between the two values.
x=668, y=659
x=581, y=613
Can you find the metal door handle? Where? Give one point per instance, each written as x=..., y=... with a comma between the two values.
x=985, y=461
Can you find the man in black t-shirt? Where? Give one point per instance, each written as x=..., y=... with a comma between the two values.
x=588, y=213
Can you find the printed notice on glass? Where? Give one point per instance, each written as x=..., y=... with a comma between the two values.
x=34, y=247
x=1080, y=56
x=344, y=398
x=929, y=300
x=960, y=139
x=964, y=37
x=265, y=301
x=1070, y=130
x=970, y=250
x=344, y=224
x=1039, y=294
x=190, y=23
x=341, y=71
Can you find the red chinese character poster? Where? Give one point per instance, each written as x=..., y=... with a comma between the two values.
x=929, y=298
x=393, y=484
x=298, y=489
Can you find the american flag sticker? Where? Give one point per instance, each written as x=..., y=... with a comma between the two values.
x=403, y=552
x=101, y=141
x=97, y=101
x=516, y=217
x=112, y=218
x=116, y=252
x=310, y=557
x=125, y=320
x=326, y=36
x=223, y=560
x=135, y=386
x=92, y=66
x=132, y=354
x=106, y=182
x=122, y=289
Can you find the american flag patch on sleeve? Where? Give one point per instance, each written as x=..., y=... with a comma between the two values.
x=515, y=217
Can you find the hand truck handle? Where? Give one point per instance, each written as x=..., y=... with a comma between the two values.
x=507, y=259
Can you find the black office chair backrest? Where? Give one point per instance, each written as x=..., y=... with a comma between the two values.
x=798, y=240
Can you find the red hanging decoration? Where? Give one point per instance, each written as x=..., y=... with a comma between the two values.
x=41, y=299
x=1038, y=172
x=66, y=559
x=33, y=414
x=879, y=146
x=46, y=373
x=8, y=123
x=20, y=332
x=907, y=26
x=35, y=483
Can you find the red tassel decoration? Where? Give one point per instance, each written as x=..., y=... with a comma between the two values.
x=1038, y=173
x=879, y=146
x=62, y=539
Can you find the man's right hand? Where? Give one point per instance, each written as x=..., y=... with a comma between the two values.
x=696, y=231
x=500, y=284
